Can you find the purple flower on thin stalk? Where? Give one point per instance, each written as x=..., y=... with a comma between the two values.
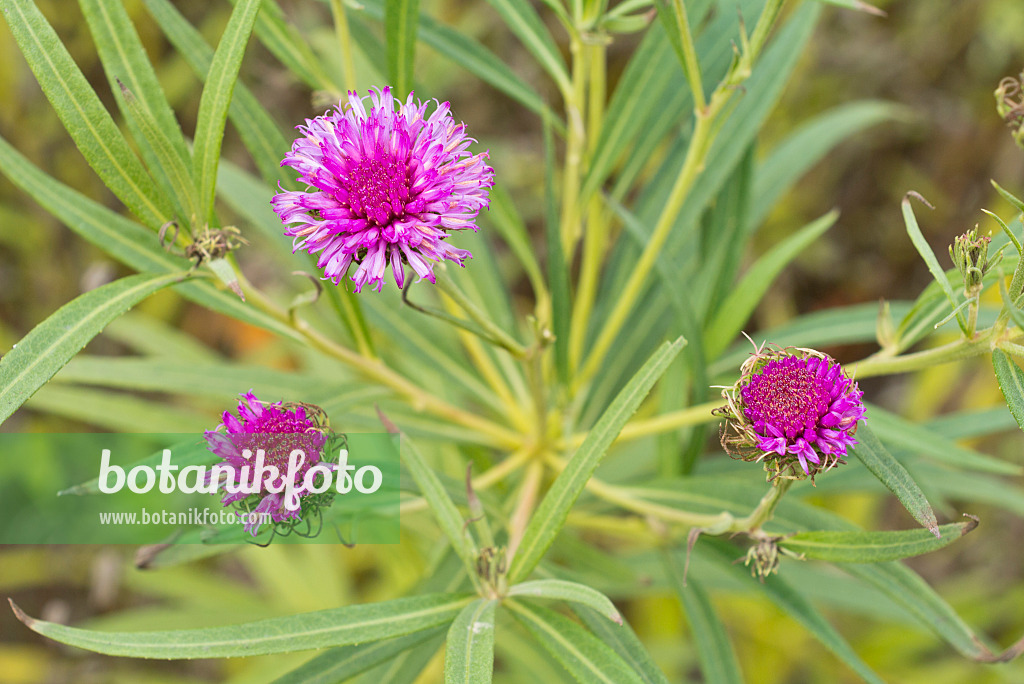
x=277, y=429
x=796, y=410
x=386, y=186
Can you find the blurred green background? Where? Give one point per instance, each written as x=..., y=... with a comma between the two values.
x=939, y=60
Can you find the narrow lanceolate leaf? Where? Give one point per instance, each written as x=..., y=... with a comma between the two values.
x=172, y=163
x=441, y=505
x=900, y=432
x=467, y=53
x=469, y=649
x=127, y=66
x=573, y=592
x=258, y=131
x=401, y=18
x=585, y=656
x=550, y=515
x=125, y=60
x=342, y=663
x=522, y=19
x=743, y=299
x=52, y=343
x=83, y=115
x=213, y=106
x=874, y=547
x=793, y=603
x=357, y=624
x=1011, y=382
x=624, y=641
x=124, y=240
x=925, y=250
x=893, y=475
x=290, y=48
x=714, y=650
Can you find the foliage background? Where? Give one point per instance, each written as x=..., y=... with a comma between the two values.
x=940, y=60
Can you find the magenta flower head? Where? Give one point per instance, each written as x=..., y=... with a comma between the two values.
x=386, y=186
x=275, y=430
x=794, y=409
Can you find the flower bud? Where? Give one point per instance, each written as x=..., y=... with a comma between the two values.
x=969, y=253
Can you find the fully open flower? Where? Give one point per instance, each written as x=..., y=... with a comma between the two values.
x=796, y=410
x=277, y=429
x=385, y=188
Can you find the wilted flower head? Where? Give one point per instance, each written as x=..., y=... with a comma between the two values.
x=277, y=429
x=795, y=410
x=386, y=187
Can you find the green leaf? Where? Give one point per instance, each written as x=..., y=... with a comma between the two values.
x=623, y=640
x=743, y=299
x=507, y=222
x=125, y=62
x=585, y=656
x=215, y=101
x=841, y=325
x=714, y=650
x=400, y=24
x=469, y=649
x=807, y=145
x=125, y=240
x=897, y=431
x=522, y=19
x=355, y=624
x=873, y=547
x=406, y=667
x=118, y=412
x=340, y=664
x=290, y=47
x=199, y=378
x=925, y=250
x=52, y=343
x=550, y=515
x=1011, y=382
x=793, y=603
x=441, y=505
x=893, y=475
x=908, y=590
x=83, y=115
x=474, y=58
x=574, y=592
x=558, y=269
x=261, y=135
x=173, y=165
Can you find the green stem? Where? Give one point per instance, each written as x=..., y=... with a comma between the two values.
x=345, y=41
x=765, y=508
x=882, y=364
x=708, y=125
x=351, y=314
x=494, y=334
x=490, y=433
x=690, y=63
x=575, y=100
x=694, y=415
x=595, y=242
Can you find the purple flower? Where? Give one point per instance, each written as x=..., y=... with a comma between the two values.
x=386, y=186
x=792, y=409
x=277, y=429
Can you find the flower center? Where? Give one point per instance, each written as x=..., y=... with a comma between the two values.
x=378, y=187
x=786, y=394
